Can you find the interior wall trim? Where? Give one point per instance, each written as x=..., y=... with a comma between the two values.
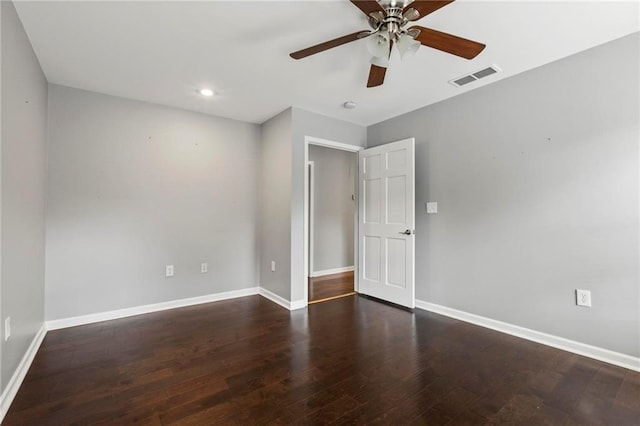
x=279, y=300
x=601, y=354
x=298, y=304
x=324, y=272
x=18, y=376
x=145, y=309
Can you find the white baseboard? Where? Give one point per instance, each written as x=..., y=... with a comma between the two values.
x=274, y=297
x=145, y=309
x=296, y=304
x=601, y=354
x=18, y=376
x=332, y=271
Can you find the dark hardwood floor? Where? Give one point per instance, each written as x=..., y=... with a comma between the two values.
x=348, y=361
x=329, y=287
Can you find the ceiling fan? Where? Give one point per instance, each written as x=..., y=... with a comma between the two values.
x=387, y=19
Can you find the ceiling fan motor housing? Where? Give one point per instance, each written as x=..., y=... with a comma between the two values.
x=399, y=4
x=392, y=22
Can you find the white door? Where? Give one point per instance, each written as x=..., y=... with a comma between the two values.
x=386, y=222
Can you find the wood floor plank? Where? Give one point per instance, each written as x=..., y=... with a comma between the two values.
x=347, y=361
x=328, y=287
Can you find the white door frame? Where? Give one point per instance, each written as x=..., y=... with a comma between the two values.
x=311, y=208
x=310, y=140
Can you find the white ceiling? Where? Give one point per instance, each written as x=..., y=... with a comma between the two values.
x=162, y=52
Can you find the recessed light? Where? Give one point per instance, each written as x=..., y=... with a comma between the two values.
x=206, y=92
x=349, y=105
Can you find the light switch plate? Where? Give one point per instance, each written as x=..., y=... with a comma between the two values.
x=204, y=268
x=432, y=207
x=169, y=270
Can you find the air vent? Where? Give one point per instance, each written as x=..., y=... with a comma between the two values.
x=466, y=79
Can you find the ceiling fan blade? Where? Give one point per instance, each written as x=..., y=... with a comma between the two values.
x=448, y=43
x=376, y=76
x=368, y=6
x=424, y=7
x=328, y=45
x=376, y=73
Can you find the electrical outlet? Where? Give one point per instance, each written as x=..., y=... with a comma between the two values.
x=204, y=268
x=7, y=328
x=273, y=266
x=169, y=270
x=432, y=207
x=583, y=298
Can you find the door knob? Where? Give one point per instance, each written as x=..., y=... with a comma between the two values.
x=407, y=232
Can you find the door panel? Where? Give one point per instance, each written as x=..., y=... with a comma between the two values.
x=396, y=188
x=371, y=258
x=371, y=200
x=387, y=205
x=397, y=253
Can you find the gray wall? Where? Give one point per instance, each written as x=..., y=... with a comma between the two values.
x=133, y=187
x=24, y=135
x=536, y=179
x=334, y=210
x=307, y=123
x=275, y=190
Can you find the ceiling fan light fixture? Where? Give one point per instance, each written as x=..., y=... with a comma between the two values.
x=378, y=44
x=407, y=46
x=380, y=61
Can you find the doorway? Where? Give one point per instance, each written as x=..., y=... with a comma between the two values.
x=331, y=220
x=384, y=241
